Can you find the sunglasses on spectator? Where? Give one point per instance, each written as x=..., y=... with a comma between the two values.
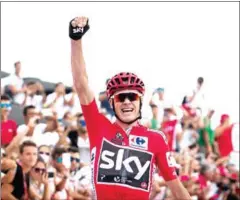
x=76, y=159
x=5, y=105
x=39, y=170
x=130, y=96
x=46, y=153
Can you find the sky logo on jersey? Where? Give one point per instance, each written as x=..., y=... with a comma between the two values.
x=138, y=141
x=124, y=166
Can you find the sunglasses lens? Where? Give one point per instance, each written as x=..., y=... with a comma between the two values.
x=39, y=170
x=76, y=159
x=5, y=105
x=133, y=96
x=130, y=96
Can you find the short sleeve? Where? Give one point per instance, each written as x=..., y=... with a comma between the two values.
x=164, y=160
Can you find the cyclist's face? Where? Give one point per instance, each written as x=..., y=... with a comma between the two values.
x=127, y=105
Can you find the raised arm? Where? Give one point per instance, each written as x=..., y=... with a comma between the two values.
x=78, y=27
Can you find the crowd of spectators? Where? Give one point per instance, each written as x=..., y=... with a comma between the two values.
x=48, y=156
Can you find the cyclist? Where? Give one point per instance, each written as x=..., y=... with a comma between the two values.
x=123, y=154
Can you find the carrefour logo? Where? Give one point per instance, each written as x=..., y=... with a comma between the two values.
x=138, y=141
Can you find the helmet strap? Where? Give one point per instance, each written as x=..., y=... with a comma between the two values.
x=139, y=117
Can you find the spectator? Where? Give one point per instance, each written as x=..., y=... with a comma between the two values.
x=45, y=153
x=158, y=100
x=171, y=127
x=80, y=173
x=62, y=179
x=223, y=136
x=104, y=103
x=15, y=84
x=47, y=133
x=56, y=100
x=154, y=123
x=8, y=127
x=31, y=97
x=206, y=134
x=24, y=131
x=62, y=174
x=39, y=186
x=73, y=103
x=188, y=138
x=18, y=188
x=31, y=119
x=205, y=177
x=197, y=97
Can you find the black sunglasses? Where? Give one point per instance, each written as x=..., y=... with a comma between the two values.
x=46, y=153
x=39, y=170
x=130, y=96
x=76, y=159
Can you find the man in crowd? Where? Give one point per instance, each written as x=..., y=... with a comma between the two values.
x=56, y=100
x=24, y=131
x=15, y=84
x=62, y=163
x=18, y=187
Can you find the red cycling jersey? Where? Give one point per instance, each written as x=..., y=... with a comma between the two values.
x=123, y=161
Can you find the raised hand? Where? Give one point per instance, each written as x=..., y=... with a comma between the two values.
x=78, y=27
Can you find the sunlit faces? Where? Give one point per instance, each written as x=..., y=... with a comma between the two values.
x=29, y=156
x=38, y=170
x=45, y=152
x=127, y=104
x=75, y=160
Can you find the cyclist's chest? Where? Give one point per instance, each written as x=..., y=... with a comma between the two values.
x=124, y=158
x=136, y=138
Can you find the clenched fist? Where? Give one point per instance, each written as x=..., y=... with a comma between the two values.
x=78, y=27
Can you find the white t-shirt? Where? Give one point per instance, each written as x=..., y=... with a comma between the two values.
x=23, y=129
x=13, y=80
x=84, y=148
x=198, y=100
x=41, y=138
x=35, y=100
x=59, y=106
x=18, y=83
x=21, y=133
x=76, y=108
x=81, y=178
x=187, y=139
